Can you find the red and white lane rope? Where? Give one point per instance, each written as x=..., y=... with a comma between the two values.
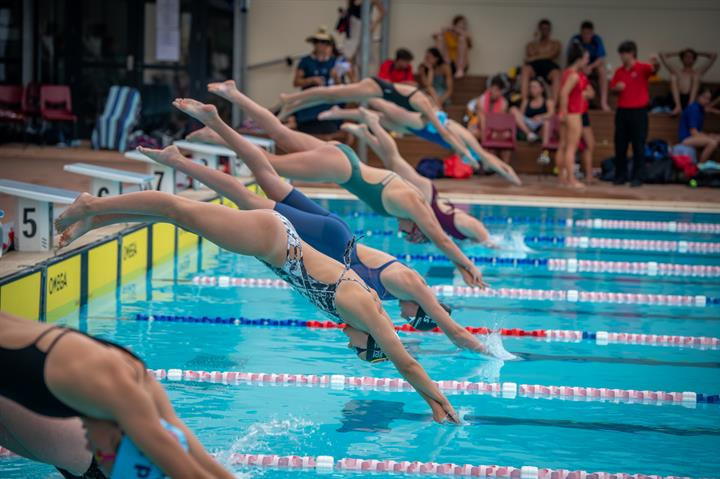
x=572, y=296
x=697, y=247
x=636, y=225
x=329, y=464
x=508, y=390
x=638, y=268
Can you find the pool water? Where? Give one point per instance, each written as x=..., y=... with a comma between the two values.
x=285, y=420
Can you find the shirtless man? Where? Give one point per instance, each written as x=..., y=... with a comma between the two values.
x=685, y=79
x=540, y=60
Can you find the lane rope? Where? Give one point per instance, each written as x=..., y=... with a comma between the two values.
x=507, y=390
x=587, y=242
x=557, y=295
x=326, y=464
x=556, y=335
x=591, y=223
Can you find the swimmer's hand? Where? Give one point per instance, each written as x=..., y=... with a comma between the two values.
x=472, y=276
x=443, y=413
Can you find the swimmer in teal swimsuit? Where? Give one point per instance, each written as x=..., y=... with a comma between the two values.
x=311, y=159
x=456, y=222
x=403, y=121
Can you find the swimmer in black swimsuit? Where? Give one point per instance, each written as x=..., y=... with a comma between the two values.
x=265, y=234
x=405, y=96
x=59, y=375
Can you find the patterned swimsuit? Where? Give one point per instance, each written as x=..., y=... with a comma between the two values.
x=294, y=273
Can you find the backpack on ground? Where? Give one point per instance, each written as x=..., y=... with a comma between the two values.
x=430, y=168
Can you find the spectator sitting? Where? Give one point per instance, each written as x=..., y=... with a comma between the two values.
x=630, y=81
x=685, y=81
x=691, y=127
x=455, y=43
x=399, y=70
x=315, y=70
x=540, y=56
x=532, y=115
x=491, y=101
x=435, y=77
x=593, y=44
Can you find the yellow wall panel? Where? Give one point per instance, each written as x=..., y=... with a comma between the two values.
x=22, y=297
x=62, y=288
x=134, y=249
x=186, y=240
x=102, y=269
x=163, y=242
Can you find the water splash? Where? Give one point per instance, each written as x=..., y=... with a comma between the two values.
x=496, y=348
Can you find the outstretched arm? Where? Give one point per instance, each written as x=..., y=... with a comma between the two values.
x=376, y=323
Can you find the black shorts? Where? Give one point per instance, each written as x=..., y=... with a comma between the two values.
x=585, y=120
x=542, y=68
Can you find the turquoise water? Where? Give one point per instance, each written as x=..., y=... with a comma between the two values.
x=593, y=436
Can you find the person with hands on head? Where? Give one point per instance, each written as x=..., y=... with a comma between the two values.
x=385, y=192
x=685, y=80
x=131, y=427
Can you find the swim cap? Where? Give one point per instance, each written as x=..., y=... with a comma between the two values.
x=130, y=463
x=423, y=322
x=373, y=353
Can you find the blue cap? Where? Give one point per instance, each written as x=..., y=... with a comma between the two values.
x=130, y=463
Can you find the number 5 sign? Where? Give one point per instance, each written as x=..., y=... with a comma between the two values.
x=34, y=225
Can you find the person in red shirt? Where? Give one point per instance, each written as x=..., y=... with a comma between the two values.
x=399, y=70
x=630, y=82
x=572, y=105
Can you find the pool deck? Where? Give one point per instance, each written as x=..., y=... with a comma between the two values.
x=44, y=166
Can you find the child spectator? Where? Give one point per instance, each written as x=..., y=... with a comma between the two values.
x=532, y=115
x=685, y=81
x=594, y=45
x=571, y=107
x=540, y=56
x=435, y=77
x=491, y=101
x=691, y=127
x=315, y=70
x=455, y=43
x=630, y=82
x=399, y=70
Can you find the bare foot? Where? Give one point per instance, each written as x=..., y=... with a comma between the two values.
x=223, y=89
x=605, y=107
x=676, y=111
x=74, y=212
x=369, y=116
x=359, y=130
x=202, y=112
x=459, y=74
x=285, y=98
x=74, y=231
x=575, y=184
x=205, y=135
x=330, y=114
x=169, y=156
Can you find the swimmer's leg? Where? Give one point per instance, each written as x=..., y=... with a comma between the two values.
x=396, y=118
x=251, y=233
x=226, y=185
x=325, y=163
x=288, y=140
x=354, y=92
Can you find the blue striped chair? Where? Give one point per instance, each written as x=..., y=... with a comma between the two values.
x=121, y=114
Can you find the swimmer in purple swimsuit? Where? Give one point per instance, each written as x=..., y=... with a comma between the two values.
x=455, y=222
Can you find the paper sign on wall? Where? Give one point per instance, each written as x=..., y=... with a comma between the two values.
x=167, y=30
